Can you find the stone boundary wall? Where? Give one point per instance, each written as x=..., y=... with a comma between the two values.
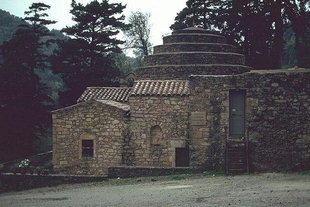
x=129, y=172
x=9, y=182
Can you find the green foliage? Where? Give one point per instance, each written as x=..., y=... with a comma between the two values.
x=126, y=64
x=97, y=25
x=304, y=49
x=199, y=13
x=8, y=25
x=257, y=27
x=138, y=35
x=177, y=177
x=24, y=163
x=305, y=172
x=24, y=105
x=86, y=58
x=289, y=58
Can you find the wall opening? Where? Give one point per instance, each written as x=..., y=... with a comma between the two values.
x=157, y=145
x=182, y=157
x=87, y=148
x=156, y=135
x=237, y=113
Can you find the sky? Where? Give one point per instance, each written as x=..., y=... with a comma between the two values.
x=162, y=12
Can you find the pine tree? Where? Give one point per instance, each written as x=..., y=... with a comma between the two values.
x=257, y=27
x=199, y=13
x=23, y=104
x=85, y=59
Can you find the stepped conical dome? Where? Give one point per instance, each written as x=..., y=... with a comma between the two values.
x=192, y=51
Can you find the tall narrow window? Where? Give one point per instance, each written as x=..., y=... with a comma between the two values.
x=156, y=135
x=87, y=148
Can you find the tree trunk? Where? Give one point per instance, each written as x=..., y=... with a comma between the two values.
x=279, y=31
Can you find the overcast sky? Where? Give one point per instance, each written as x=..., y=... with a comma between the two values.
x=162, y=12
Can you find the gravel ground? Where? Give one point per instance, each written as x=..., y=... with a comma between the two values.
x=270, y=189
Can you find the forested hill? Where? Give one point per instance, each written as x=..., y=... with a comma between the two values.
x=8, y=25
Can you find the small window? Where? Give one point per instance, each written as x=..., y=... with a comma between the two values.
x=87, y=148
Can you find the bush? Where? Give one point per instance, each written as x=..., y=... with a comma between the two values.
x=1, y=168
x=24, y=163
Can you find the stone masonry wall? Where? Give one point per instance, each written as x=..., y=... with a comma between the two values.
x=177, y=72
x=102, y=123
x=277, y=118
x=158, y=126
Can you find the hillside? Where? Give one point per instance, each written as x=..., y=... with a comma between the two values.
x=8, y=25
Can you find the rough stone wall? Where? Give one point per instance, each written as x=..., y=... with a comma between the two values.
x=104, y=124
x=194, y=58
x=179, y=72
x=277, y=118
x=170, y=114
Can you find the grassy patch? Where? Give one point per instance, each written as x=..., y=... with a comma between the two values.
x=213, y=173
x=120, y=181
x=305, y=172
x=177, y=177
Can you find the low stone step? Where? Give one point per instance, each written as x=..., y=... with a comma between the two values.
x=237, y=166
x=190, y=47
x=194, y=37
x=236, y=171
x=241, y=160
x=194, y=58
x=237, y=159
x=168, y=72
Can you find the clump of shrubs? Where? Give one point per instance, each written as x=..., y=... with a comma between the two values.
x=24, y=167
x=1, y=168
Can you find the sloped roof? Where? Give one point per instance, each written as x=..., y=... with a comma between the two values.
x=121, y=106
x=119, y=94
x=160, y=88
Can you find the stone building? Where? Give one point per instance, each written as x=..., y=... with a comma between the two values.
x=194, y=104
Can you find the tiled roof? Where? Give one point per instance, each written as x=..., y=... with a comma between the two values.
x=119, y=94
x=121, y=106
x=160, y=88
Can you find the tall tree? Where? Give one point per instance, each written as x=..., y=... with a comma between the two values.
x=298, y=13
x=138, y=35
x=256, y=26
x=199, y=13
x=23, y=104
x=85, y=59
x=245, y=24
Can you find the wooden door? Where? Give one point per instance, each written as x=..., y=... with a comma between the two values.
x=182, y=157
x=237, y=113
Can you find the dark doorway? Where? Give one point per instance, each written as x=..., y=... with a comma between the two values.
x=182, y=157
x=237, y=113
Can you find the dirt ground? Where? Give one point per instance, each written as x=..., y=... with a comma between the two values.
x=270, y=189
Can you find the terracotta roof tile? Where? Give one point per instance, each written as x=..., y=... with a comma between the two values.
x=118, y=105
x=160, y=88
x=119, y=94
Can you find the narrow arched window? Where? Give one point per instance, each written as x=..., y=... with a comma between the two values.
x=156, y=135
